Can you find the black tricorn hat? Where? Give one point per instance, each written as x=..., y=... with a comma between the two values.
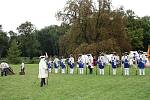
x=141, y=52
x=80, y=54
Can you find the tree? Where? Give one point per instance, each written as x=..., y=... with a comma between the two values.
x=146, y=29
x=48, y=38
x=26, y=28
x=27, y=40
x=3, y=42
x=91, y=25
x=14, y=53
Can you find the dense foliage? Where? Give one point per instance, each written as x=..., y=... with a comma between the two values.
x=87, y=27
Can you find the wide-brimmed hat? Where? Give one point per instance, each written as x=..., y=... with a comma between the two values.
x=140, y=52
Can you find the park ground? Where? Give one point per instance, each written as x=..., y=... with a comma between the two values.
x=75, y=87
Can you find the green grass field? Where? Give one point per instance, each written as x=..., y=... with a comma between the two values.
x=75, y=87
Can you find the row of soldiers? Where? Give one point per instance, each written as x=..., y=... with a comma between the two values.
x=87, y=61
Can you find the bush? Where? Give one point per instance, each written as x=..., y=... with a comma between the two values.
x=27, y=60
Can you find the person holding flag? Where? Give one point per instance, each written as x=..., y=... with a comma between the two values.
x=43, y=71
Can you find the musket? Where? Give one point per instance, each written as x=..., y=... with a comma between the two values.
x=121, y=67
x=109, y=68
x=136, y=70
x=67, y=69
x=86, y=70
x=47, y=77
x=96, y=69
x=77, y=69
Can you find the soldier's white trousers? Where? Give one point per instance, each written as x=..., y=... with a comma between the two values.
x=50, y=70
x=63, y=70
x=101, y=71
x=81, y=70
x=126, y=71
x=71, y=70
x=56, y=70
x=141, y=71
x=114, y=71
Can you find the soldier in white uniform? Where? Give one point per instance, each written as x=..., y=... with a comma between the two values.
x=114, y=63
x=134, y=60
x=80, y=64
x=101, y=63
x=141, y=63
x=63, y=65
x=43, y=70
x=125, y=61
x=50, y=65
x=56, y=64
x=71, y=64
x=90, y=63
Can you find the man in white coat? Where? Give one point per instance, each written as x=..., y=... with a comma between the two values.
x=43, y=70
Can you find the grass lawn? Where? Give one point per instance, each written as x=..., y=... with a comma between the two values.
x=75, y=87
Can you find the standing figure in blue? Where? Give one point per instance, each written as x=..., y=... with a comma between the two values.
x=141, y=63
x=71, y=64
x=125, y=60
x=63, y=65
x=101, y=63
x=50, y=65
x=114, y=63
x=56, y=64
x=81, y=64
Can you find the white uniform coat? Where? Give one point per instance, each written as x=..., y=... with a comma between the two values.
x=90, y=62
x=43, y=73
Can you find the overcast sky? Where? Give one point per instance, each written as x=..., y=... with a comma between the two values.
x=42, y=12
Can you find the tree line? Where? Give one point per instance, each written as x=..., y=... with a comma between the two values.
x=87, y=27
